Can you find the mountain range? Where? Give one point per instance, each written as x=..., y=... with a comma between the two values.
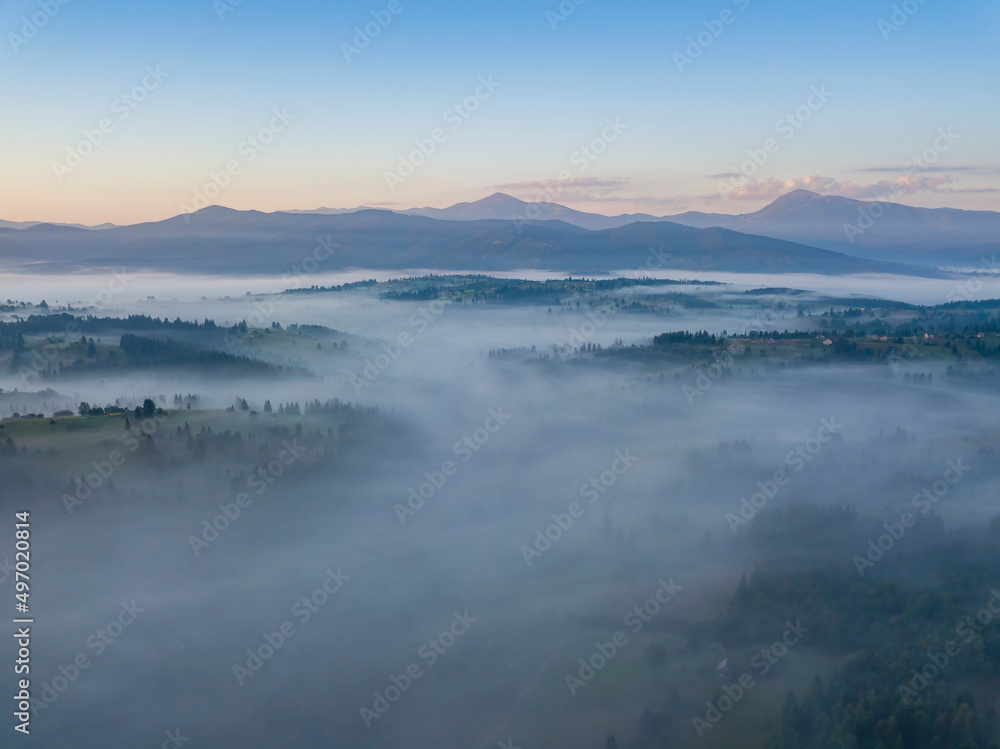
x=869, y=229
x=879, y=230
x=29, y=224
x=799, y=232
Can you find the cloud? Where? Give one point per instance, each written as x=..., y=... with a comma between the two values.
x=596, y=184
x=639, y=204
x=724, y=175
x=770, y=188
x=977, y=189
x=931, y=169
x=572, y=190
x=906, y=185
x=909, y=184
x=577, y=190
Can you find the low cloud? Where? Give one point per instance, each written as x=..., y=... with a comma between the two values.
x=578, y=190
x=909, y=184
x=596, y=184
x=977, y=189
x=931, y=169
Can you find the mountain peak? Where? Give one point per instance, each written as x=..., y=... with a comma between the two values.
x=215, y=210
x=499, y=200
x=46, y=227
x=798, y=203
x=797, y=195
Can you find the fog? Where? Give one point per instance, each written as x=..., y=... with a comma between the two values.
x=980, y=282
x=426, y=499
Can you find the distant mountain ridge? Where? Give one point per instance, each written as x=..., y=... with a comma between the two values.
x=505, y=207
x=29, y=224
x=870, y=229
x=879, y=230
x=223, y=240
x=503, y=232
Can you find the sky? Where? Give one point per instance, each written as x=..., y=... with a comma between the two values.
x=137, y=112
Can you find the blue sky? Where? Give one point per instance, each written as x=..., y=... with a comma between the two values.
x=352, y=125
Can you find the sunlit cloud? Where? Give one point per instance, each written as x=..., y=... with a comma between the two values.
x=931, y=169
x=595, y=184
x=910, y=184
